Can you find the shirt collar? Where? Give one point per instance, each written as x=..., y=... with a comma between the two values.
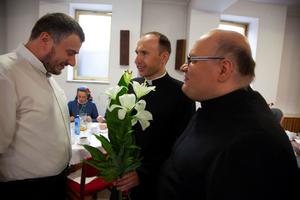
x=32, y=59
x=150, y=81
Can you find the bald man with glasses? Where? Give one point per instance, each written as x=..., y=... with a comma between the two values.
x=233, y=148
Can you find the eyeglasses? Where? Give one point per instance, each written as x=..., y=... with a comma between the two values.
x=195, y=58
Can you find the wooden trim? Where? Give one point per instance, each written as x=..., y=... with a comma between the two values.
x=180, y=53
x=291, y=124
x=124, y=47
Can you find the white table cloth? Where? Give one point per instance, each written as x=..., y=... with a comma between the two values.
x=78, y=151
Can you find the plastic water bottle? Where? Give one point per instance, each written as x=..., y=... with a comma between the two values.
x=77, y=125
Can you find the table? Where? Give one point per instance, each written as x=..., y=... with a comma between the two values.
x=78, y=151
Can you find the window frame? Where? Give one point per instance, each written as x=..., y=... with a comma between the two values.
x=76, y=77
x=243, y=25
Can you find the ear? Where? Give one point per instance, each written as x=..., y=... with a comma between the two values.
x=226, y=70
x=45, y=40
x=165, y=57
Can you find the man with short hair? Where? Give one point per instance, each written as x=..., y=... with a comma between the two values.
x=233, y=148
x=35, y=138
x=171, y=111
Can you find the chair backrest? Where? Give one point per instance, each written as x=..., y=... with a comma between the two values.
x=79, y=191
x=86, y=171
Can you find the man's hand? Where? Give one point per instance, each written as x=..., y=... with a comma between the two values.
x=127, y=182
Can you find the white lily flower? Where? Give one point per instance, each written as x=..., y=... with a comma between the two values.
x=140, y=105
x=113, y=91
x=141, y=89
x=127, y=101
x=143, y=116
x=121, y=112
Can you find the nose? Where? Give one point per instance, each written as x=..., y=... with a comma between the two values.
x=72, y=60
x=137, y=59
x=184, y=67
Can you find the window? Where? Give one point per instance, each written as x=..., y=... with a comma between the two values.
x=234, y=26
x=93, y=58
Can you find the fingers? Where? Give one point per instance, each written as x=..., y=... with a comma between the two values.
x=127, y=182
x=89, y=118
x=100, y=119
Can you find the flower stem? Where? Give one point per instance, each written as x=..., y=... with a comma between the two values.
x=120, y=195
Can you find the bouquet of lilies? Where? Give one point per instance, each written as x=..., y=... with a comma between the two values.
x=124, y=110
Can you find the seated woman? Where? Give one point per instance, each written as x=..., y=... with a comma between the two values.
x=278, y=114
x=83, y=104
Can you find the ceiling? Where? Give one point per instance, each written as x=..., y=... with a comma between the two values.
x=279, y=2
x=220, y=5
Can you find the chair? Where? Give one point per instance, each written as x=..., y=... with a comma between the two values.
x=76, y=191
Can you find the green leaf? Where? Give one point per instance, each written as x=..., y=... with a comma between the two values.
x=105, y=144
x=95, y=152
x=132, y=167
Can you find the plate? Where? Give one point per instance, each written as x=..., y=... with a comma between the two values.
x=87, y=143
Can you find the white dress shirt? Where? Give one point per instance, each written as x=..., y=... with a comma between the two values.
x=34, y=120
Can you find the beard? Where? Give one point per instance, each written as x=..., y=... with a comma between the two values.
x=49, y=62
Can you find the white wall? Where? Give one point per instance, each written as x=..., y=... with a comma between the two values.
x=288, y=98
x=168, y=18
x=270, y=43
x=20, y=16
x=2, y=30
x=200, y=22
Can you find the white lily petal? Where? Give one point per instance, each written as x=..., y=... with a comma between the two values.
x=141, y=89
x=121, y=114
x=140, y=105
x=144, y=115
x=113, y=91
x=144, y=124
x=127, y=101
x=112, y=107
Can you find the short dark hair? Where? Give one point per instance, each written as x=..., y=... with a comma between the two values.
x=240, y=54
x=164, y=42
x=278, y=114
x=58, y=25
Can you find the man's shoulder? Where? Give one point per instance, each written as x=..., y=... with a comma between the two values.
x=175, y=81
x=8, y=62
x=139, y=79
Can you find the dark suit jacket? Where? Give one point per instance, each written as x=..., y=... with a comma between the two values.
x=171, y=111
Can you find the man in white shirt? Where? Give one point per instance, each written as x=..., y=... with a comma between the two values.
x=35, y=137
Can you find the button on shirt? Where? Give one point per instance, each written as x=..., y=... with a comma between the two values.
x=34, y=122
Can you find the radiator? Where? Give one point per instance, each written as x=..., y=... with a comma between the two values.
x=291, y=124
